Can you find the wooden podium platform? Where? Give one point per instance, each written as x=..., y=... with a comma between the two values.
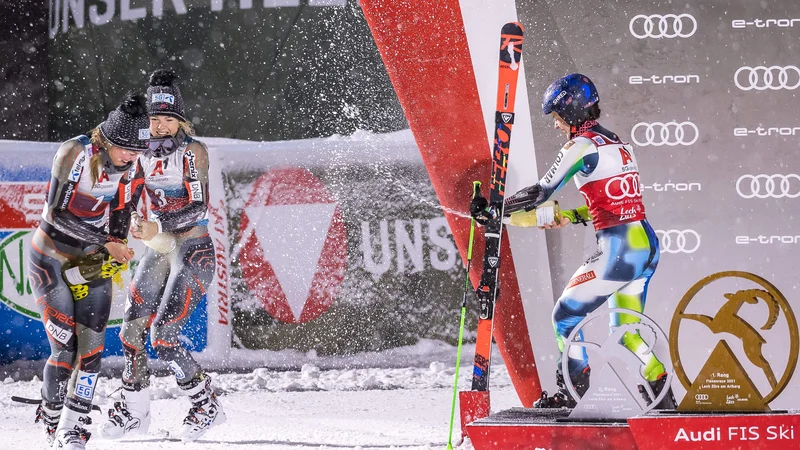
x=550, y=429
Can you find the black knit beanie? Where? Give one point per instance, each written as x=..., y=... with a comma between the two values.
x=163, y=95
x=128, y=126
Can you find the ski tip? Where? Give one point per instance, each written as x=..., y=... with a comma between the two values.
x=513, y=28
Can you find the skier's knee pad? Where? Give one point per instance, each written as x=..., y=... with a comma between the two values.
x=63, y=355
x=165, y=342
x=132, y=333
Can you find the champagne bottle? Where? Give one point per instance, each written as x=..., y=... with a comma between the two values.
x=163, y=242
x=547, y=212
x=79, y=273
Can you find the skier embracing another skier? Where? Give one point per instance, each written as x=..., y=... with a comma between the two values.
x=78, y=248
x=174, y=273
x=606, y=173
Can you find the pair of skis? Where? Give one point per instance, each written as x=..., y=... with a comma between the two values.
x=511, y=37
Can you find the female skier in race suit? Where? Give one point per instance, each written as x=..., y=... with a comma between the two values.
x=607, y=174
x=169, y=282
x=89, y=186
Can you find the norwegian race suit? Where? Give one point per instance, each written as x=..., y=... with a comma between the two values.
x=75, y=219
x=606, y=173
x=167, y=287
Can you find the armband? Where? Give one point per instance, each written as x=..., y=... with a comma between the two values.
x=578, y=217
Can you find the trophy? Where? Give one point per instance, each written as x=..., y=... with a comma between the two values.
x=723, y=383
x=618, y=388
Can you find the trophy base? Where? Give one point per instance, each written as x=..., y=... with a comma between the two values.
x=523, y=428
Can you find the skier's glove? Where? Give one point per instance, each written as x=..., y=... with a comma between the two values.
x=478, y=209
x=524, y=200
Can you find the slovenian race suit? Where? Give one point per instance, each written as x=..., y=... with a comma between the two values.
x=606, y=173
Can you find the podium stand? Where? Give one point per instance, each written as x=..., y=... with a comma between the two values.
x=551, y=429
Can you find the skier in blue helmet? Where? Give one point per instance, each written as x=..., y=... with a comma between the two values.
x=607, y=174
x=575, y=101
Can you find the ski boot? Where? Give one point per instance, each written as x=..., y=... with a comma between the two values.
x=71, y=433
x=562, y=398
x=668, y=402
x=49, y=414
x=206, y=411
x=128, y=417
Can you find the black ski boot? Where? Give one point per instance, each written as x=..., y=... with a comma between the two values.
x=668, y=402
x=49, y=414
x=562, y=398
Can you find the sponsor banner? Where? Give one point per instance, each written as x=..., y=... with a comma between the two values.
x=712, y=432
x=22, y=198
x=339, y=259
x=712, y=127
x=218, y=296
x=66, y=16
x=312, y=256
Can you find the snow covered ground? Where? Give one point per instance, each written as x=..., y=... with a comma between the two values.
x=365, y=409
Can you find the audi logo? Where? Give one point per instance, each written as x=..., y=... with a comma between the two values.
x=701, y=396
x=670, y=133
x=762, y=78
x=678, y=241
x=667, y=26
x=768, y=186
x=626, y=186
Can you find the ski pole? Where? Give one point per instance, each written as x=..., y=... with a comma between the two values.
x=476, y=192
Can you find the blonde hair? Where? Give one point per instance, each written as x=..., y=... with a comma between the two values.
x=187, y=128
x=102, y=145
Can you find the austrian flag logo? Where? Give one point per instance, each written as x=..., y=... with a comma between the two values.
x=293, y=245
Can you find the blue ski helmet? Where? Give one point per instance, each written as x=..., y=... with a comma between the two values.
x=571, y=97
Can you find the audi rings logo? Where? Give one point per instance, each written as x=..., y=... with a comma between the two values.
x=678, y=241
x=768, y=186
x=762, y=78
x=626, y=186
x=701, y=396
x=659, y=133
x=667, y=26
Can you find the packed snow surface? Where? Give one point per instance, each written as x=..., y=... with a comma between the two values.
x=312, y=408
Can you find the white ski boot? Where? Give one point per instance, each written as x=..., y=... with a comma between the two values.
x=71, y=433
x=49, y=414
x=206, y=411
x=128, y=417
